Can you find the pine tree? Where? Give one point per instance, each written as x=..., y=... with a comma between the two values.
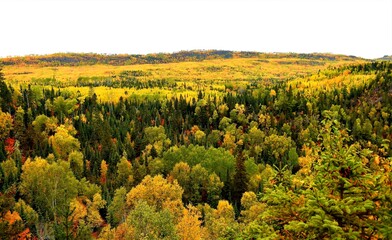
x=240, y=180
x=347, y=198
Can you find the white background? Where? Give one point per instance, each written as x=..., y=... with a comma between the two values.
x=353, y=27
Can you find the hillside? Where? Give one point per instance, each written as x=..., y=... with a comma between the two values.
x=77, y=59
x=184, y=72
x=386, y=58
x=221, y=145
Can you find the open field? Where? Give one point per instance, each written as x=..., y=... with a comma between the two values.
x=217, y=70
x=213, y=76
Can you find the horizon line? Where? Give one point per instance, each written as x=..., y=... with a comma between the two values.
x=174, y=52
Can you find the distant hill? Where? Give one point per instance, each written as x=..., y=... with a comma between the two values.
x=386, y=58
x=77, y=59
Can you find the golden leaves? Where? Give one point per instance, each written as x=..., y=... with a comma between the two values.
x=12, y=217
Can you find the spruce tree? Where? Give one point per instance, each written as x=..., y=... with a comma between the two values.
x=347, y=199
x=240, y=181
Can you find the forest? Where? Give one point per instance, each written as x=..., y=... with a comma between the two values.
x=195, y=145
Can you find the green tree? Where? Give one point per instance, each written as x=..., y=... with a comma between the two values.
x=63, y=107
x=213, y=138
x=292, y=158
x=347, y=198
x=157, y=139
x=198, y=185
x=149, y=223
x=27, y=213
x=277, y=148
x=75, y=159
x=204, y=187
x=255, y=138
x=240, y=180
x=124, y=175
x=214, y=160
x=117, y=210
x=63, y=143
x=10, y=172
x=48, y=188
x=259, y=230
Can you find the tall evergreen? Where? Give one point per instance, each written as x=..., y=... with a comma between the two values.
x=240, y=181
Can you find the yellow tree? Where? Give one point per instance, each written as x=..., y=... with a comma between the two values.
x=181, y=172
x=157, y=191
x=87, y=210
x=104, y=170
x=220, y=222
x=189, y=227
x=229, y=142
x=252, y=208
x=6, y=125
x=63, y=143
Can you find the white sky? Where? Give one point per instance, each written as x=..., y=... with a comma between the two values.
x=353, y=27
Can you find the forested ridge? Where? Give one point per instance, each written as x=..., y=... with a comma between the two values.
x=294, y=157
x=76, y=59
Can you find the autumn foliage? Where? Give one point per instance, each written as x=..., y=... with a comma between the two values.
x=195, y=145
